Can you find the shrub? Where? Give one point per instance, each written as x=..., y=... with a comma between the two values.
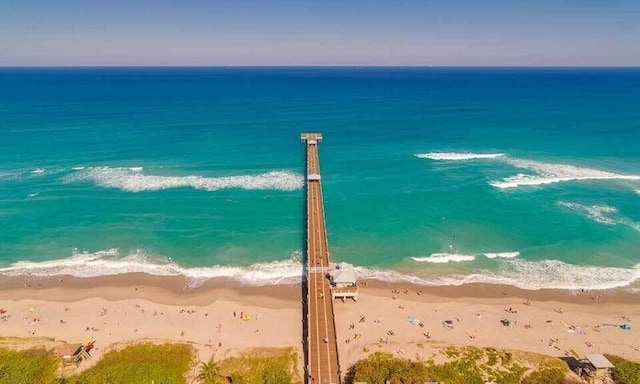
x=546, y=376
x=259, y=366
x=276, y=376
x=208, y=372
x=624, y=371
x=29, y=366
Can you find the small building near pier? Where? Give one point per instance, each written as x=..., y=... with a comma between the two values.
x=599, y=366
x=343, y=282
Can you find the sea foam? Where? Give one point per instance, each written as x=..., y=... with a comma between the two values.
x=134, y=180
x=549, y=173
x=441, y=258
x=110, y=262
x=502, y=255
x=542, y=173
x=458, y=156
x=553, y=274
x=603, y=214
x=524, y=274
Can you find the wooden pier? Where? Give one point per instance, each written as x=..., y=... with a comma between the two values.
x=321, y=349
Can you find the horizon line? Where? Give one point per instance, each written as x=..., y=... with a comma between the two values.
x=323, y=66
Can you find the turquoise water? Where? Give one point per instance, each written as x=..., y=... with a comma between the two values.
x=199, y=171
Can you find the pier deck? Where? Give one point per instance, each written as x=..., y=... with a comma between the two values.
x=322, y=350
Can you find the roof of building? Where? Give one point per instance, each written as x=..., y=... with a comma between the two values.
x=599, y=361
x=68, y=349
x=343, y=274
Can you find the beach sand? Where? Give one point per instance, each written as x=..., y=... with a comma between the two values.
x=387, y=317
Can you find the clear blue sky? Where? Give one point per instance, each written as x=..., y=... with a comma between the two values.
x=323, y=32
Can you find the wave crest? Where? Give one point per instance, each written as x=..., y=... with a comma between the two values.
x=530, y=275
x=441, y=258
x=457, y=156
x=549, y=173
x=502, y=255
x=110, y=262
x=545, y=274
x=133, y=180
x=603, y=214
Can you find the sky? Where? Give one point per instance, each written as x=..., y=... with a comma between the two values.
x=326, y=32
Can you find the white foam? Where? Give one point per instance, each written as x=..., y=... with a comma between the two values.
x=549, y=173
x=109, y=262
x=555, y=274
x=133, y=180
x=637, y=191
x=524, y=274
x=38, y=171
x=457, y=156
x=441, y=258
x=78, y=168
x=502, y=255
x=530, y=275
x=542, y=173
x=34, y=194
x=603, y=214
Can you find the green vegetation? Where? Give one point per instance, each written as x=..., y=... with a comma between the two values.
x=268, y=366
x=140, y=364
x=208, y=372
x=624, y=371
x=469, y=365
x=35, y=365
x=152, y=363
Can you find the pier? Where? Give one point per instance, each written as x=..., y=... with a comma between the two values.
x=321, y=349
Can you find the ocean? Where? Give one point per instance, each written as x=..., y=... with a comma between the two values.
x=438, y=176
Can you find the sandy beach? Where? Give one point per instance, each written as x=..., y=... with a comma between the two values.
x=222, y=318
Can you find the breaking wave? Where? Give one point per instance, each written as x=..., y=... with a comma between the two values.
x=603, y=214
x=441, y=258
x=134, y=180
x=110, y=262
x=457, y=155
x=531, y=275
x=549, y=173
x=542, y=173
x=502, y=255
x=600, y=213
x=524, y=274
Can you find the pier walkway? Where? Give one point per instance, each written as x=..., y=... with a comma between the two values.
x=322, y=366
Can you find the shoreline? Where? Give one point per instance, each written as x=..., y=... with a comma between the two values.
x=174, y=290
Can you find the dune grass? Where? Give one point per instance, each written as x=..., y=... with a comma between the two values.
x=260, y=366
x=468, y=365
x=624, y=371
x=36, y=365
x=140, y=364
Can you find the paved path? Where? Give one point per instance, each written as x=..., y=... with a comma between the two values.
x=322, y=357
